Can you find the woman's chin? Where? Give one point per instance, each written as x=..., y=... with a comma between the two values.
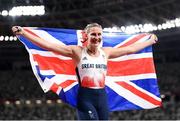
x=96, y=45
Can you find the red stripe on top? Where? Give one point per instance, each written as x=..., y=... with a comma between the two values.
x=130, y=67
x=133, y=40
x=56, y=64
x=139, y=93
x=91, y=83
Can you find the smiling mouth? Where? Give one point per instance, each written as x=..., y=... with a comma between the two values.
x=96, y=41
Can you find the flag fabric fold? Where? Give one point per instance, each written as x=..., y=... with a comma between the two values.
x=131, y=81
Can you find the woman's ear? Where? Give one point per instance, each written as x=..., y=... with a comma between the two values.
x=84, y=36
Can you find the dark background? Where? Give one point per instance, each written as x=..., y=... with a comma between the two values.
x=17, y=81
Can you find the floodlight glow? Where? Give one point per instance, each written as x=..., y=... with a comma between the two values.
x=148, y=27
x=11, y=38
x=7, y=102
x=159, y=27
x=164, y=26
x=58, y=101
x=155, y=28
x=27, y=10
x=28, y=102
x=49, y=101
x=15, y=38
x=17, y=102
x=123, y=28
x=4, y=13
x=38, y=101
x=177, y=22
x=6, y=38
x=130, y=29
x=1, y=38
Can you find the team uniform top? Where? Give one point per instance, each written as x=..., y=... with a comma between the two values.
x=92, y=70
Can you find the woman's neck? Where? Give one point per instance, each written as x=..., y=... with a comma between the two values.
x=92, y=51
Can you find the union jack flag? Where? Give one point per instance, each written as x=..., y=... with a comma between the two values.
x=131, y=81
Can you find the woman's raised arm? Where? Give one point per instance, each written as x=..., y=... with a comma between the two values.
x=55, y=47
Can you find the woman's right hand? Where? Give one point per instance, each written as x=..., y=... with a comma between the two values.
x=153, y=38
x=17, y=30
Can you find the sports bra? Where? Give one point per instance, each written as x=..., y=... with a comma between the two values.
x=92, y=70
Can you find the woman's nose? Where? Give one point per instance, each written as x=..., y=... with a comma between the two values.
x=97, y=36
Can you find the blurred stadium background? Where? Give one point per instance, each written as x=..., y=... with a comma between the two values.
x=21, y=97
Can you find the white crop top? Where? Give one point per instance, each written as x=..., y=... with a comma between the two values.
x=92, y=70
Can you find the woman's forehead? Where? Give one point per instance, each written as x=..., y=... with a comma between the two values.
x=95, y=29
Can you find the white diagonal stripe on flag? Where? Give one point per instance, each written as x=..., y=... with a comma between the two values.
x=143, y=90
x=129, y=39
x=46, y=36
x=131, y=77
x=130, y=96
x=133, y=56
x=70, y=86
x=58, y=90
x=47, y=72
x=122, y=43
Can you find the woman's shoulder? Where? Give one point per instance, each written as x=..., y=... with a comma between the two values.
x=106, y=49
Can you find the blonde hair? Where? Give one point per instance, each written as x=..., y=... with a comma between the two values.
x=87, y=28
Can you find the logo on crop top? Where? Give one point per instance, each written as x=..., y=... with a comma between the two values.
x=103, y=56
x=97, y=66
x=85, y=58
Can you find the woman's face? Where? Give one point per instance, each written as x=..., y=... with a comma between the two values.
x=94, y=36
